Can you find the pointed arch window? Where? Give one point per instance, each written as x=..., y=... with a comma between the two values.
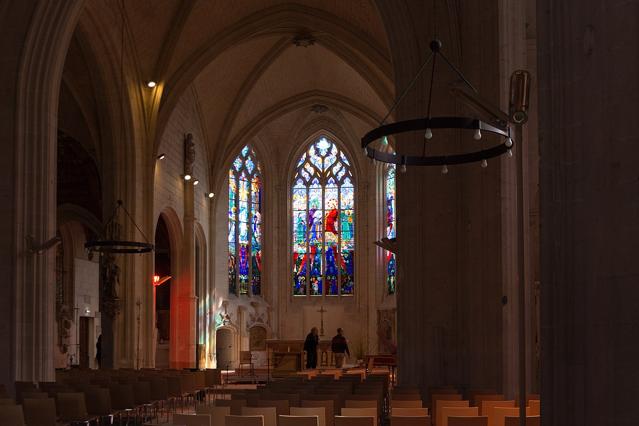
x=245, y=224
x=390, y=220
x=323, y=206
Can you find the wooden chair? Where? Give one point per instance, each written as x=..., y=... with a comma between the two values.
x=320, y=412
x=217, y=413
x=246, y=358
x=71, y=408
x=98, y=402
x=192, y=419
x=410, y=421
x=417, y=403
x=281, y=405
x=298, y=421
x=39, y=412
x=269, y=414
x=361, y=412
x=441, y=403
x=467, y=421
x=487, y=408
x=409, y=412
x=447, y=411
x=329, y=410
x=497, y=415
x=354, y=421
x=11, y=415
x=530, y=421
x=235, y=405
x=244, y=421
x=442, y=397
x=477, y=399
x=534, y=406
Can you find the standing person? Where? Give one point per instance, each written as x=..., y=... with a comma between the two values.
x=310, y=346
x=339, y=347
x=98, y=351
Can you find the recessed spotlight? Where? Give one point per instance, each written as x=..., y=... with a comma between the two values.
x=161, y=156
x=187, y=177
x=210, y=195
x=195, y=182
x=151, y=84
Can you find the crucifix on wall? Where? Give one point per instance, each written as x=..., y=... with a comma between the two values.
x=321, y=312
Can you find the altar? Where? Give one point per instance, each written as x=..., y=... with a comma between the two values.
x=287, y=357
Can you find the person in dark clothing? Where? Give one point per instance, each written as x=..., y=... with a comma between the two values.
x=310, y=346
x=339, y=347
x=98, y=351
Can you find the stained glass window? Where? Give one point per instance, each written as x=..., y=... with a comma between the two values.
x=323, y=197
x=245, y=224
x=391, y=224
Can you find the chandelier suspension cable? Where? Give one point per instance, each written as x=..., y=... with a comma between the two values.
x=134, y=223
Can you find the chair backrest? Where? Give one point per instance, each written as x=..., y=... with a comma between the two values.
x=122, y=396
x=410, y=421
x=142, y=392
x=363, y=403
x=281, y=405
x=244, y=421
x=235, y=404
x=159, y=388
x=354, y=421
x=269, y=414
x=320, y=412
x=7, y=401
x=406, y=396
x=39, y=412
x=98, y=401
x=497, y=415
x=35, y=395
x=361, y=412
x=446, y=412
x=409, y=412
x=192, y=419
x=11, y=415
x=530, y=421
x=441, y=403
x=534, y=406
x=329, y=410
x=467, y=421
x=487, y=408
x=298, y=421
x=71, y=406
x=217, y=413
x=416, y=403
x=479, y=398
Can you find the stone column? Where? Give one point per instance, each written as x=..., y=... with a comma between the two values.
x=34, y=40
x=589, y=145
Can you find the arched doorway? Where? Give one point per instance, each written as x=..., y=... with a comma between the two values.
x=162, y=282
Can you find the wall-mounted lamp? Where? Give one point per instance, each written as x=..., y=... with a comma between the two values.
x=151, y=84
x=187, y=177
x=195, y=182
x=161, y=156
x=210, y=194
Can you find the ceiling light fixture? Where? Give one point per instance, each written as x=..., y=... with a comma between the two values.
x=109, y=241
x=429, y=125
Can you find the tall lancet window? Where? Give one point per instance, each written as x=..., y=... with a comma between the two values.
x=391, y=223
x=323, y=197
x=245, y=224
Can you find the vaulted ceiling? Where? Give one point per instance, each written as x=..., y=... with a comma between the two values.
x=259, y=68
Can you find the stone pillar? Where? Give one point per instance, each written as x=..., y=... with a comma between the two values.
x=589, y=145
x=183, y=310
x=34, y=39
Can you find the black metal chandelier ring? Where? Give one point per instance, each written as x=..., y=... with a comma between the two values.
x=422, y=124
x=116, y=246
